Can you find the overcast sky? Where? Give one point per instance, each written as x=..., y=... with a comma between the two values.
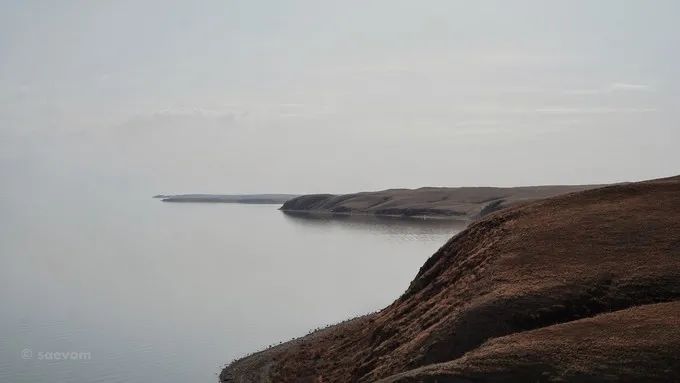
x=319, y=96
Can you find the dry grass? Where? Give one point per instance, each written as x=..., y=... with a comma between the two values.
x=511, y=293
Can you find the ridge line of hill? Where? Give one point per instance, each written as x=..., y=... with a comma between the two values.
x=427, y=202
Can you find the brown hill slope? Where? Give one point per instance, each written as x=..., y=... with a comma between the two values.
x=463, y=202
x=505, y=300
x=609, y=347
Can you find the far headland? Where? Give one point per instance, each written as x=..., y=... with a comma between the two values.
x=426, y=202
x=228, y=198
x=460, y=203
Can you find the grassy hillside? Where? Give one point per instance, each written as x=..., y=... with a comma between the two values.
x=579, y=287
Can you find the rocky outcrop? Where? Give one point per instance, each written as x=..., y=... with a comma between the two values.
x=579, y=287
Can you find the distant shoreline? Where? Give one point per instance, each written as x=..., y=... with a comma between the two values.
x=462, y=203
x=426, y=203
x=325, y=213
x=261, y=199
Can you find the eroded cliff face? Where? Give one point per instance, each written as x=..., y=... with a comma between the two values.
x=546, y=291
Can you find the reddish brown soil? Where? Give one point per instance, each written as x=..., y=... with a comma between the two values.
x=637, y=344
x=562, y=289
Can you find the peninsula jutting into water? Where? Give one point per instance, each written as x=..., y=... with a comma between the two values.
x=427, y=202
x=579, y=287
x=228, y=198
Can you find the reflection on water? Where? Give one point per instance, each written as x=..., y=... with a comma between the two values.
x=402, y=228
x=170, y=292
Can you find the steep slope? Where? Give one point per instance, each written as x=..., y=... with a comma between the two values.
x=605, y=348
x=543, y=266
x=465, y=202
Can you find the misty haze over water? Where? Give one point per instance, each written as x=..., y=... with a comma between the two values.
x=168, y=292
x=104, y=104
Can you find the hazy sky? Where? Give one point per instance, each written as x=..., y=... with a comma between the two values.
x=314, y=96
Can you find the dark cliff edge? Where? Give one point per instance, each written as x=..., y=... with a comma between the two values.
x=429, y=202
x=580, y=287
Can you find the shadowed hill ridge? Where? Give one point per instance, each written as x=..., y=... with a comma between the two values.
x=525, y=281
x=644, y=336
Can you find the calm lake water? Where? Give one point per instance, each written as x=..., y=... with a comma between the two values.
x=135, y=290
